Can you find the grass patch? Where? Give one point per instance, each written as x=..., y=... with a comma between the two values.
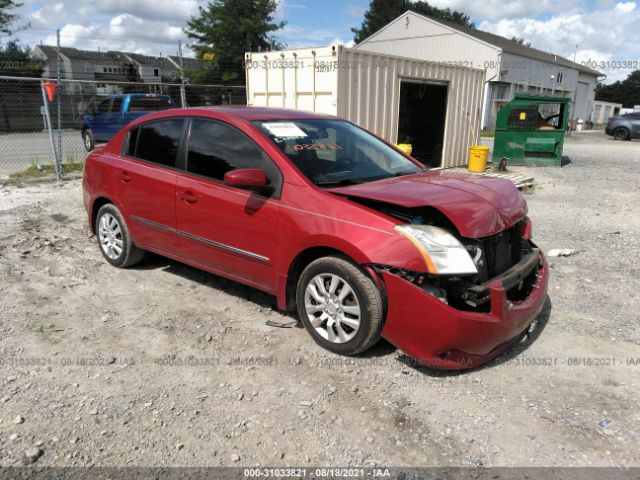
x=35, y=171
x=487, y=133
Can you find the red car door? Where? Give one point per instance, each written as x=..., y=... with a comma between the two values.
x=226, y=229
x=146, y=183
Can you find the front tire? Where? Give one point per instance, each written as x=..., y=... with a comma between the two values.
x=114, y=238
x=621, y=133
x=88, y=140
x=340, y=305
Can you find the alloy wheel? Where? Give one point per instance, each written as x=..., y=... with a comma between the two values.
x=332, y=307
x=110, y=236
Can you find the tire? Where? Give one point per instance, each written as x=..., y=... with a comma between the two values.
x=88, y=140
x=114, y=238
x=334, y=324
x=621, y=133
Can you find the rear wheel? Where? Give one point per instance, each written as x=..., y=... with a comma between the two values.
x=340, y=305
x=114, y=239
x=621, y=133
x=88, y=139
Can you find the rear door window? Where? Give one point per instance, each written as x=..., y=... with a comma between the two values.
x=157, y=142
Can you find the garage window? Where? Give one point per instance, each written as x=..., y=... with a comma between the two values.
x=156, y=142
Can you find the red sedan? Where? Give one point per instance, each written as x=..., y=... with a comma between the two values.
x=360, y=239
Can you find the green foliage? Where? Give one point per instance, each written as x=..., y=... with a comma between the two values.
x=6, y=17
x=47, y=170
x=381, y=12
x=521, y=41
x=17, y=60
x=229, y=28
x=626, y=92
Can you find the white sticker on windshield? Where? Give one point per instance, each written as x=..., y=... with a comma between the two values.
x=284, y=130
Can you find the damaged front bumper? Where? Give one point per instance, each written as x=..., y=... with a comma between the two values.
x=438, y=335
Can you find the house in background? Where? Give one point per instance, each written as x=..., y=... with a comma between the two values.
x=509, y=66
x=108, y=69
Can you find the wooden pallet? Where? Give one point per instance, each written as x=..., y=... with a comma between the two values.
x=521, y=181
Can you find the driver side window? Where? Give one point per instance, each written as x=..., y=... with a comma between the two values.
x=216, y=148
x=104, y=107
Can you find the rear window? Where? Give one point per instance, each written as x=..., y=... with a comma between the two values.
x=156, y=142
x=149, y=104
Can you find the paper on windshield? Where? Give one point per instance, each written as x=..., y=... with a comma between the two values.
x=284, y=130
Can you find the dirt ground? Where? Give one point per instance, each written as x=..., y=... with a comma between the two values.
x=164, y=365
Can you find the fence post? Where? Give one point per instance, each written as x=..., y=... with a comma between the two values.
x=183, y=95
x=58, y=102
x=45, y=102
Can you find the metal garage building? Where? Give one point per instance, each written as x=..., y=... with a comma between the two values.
x=430, y=105
x=510, y=66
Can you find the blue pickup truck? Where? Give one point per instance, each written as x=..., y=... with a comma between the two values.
x=114, y=112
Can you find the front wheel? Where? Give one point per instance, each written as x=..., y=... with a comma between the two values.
x=114, y=238
x=621, y=133
x=340, y=305
x=88, y=139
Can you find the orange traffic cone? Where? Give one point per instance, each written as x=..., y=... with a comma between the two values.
x=50, y=87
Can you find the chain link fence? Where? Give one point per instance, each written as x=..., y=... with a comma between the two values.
x=25, y=139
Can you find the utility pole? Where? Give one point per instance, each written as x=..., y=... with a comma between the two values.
x=183, y=95
x=572, y=125
x=58, y=104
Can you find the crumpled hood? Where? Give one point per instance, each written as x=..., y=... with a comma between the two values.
x=478, y=206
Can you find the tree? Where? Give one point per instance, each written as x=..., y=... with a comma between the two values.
x=381, y=12
x=6, y=17
x=521, y=41
x=228, y=29
x=17, y=61
x=626, y=92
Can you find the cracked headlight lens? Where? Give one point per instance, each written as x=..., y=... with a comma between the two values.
x=442, y=252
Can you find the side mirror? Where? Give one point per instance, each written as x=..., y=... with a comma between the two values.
x=248, y=178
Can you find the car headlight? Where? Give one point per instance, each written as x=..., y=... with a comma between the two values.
x=443, y=253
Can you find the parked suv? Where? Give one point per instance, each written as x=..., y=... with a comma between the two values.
x=624, y=127
x=356, y=236
x=114, y=112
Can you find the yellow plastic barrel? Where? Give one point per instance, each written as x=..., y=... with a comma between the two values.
x=478, y=158
x=405, y=147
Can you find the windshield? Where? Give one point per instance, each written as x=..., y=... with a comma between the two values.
x=336, y=152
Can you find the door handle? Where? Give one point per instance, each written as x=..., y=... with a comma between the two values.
x=124, y=177
x=188, y=197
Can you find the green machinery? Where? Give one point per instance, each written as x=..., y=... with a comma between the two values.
x=530, y=130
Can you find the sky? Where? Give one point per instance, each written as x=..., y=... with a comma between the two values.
x=596, y=30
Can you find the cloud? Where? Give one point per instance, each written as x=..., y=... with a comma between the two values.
x=297, y=36
x=499, y=9
x=170, y=10
x=143, y=26
x=357, y=11
x=604, y=37
x=626, y=6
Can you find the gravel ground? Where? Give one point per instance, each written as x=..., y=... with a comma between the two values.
x=164, y=365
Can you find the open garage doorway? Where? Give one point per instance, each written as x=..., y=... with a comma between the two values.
x=421, y=121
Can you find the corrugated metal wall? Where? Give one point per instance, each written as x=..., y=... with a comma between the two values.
x=369, y=95
x=364, y=87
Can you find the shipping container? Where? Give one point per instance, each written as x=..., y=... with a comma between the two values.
x=433, y=106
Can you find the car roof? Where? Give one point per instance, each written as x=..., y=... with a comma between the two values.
x=260, y=113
